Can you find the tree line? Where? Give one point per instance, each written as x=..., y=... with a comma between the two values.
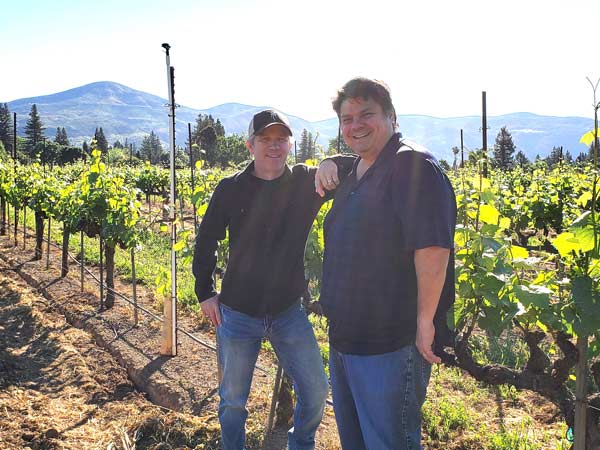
x=210, y=143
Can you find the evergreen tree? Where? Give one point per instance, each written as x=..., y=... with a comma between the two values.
x=568, y=157
x=219, y=128
x=101, y=142
x=207, y=141
x=581, y=158
x=343, y=147
x=555, y=156
x=34, y=131
x=521, y=159
x=6, y=128
x=61, y=137
x=503, y=150
x=311, y=146
x=204, y=121
x=303, y=149
x=151, y=149
x=85, y=147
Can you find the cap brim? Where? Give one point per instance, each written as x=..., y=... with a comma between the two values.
x=289, y=130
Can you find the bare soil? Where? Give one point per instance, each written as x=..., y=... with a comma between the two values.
x=103, y=370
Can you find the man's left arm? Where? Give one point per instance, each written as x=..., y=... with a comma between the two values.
x=430, y=267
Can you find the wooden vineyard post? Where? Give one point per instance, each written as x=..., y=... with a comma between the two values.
x=82, y=258
x=16, y=224
x=24, y=225
x=48, y=245
x=169, y=332
x=134, y=288
x=276, y=387
x=101, y=275
x=581, y=394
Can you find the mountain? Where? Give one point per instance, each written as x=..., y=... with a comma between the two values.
x=124, y=112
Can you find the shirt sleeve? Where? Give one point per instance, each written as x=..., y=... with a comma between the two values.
x=211, y=230
x=344, y=163
x=424, y=202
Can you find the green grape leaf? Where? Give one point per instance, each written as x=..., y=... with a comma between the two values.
x=489, y=214
x=532, y=295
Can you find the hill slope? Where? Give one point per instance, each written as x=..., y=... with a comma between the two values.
x=124, y=112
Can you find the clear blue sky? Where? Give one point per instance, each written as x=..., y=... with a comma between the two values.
x=437, y=56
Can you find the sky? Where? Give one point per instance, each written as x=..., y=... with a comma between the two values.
x=437, y=56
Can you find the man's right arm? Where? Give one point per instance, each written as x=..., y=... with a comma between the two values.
x=331, y=172
x=211, y=230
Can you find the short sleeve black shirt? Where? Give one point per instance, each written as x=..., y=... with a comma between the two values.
x=403, y=202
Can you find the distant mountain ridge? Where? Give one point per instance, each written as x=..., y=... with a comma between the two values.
x=124, y=112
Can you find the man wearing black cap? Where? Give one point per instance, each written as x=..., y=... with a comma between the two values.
x=268, y=209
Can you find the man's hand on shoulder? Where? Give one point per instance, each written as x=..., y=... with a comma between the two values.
x=326, y=177
x=210, y=309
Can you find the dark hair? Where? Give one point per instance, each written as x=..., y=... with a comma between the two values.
x=365, y=88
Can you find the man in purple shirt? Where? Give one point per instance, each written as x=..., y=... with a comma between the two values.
x=388, y=274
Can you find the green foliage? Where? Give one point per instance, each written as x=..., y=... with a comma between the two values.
x=231, y=151
x=445, y=418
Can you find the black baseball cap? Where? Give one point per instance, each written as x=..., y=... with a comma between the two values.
x=266, y=118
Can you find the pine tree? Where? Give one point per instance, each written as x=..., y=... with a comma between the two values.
x=568, y=157
x=6, y=128
x=85, y=147
x=343, y=147
x=503, y=150
x=521, y=159
x=34, y=130
x=101, y=142
x=151, y=149
x=304, y=146
x=555, y=156
x=61, y=136
x=207, y=140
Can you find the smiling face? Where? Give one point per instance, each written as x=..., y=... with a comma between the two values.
x=365, y=127
x=270, y=149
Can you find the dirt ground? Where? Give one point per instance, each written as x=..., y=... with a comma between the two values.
x=69, y=373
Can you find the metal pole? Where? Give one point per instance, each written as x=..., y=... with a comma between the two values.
x=462, y=147
x=581, y=394
x=14, y=152
x=192, y=168
x=484, y=132
x=169, y=341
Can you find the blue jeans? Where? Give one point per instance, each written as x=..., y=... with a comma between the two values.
x=377, y=399
x=292, y=337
